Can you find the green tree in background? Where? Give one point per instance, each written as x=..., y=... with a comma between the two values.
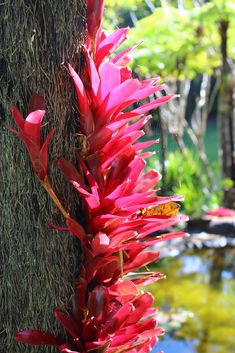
x=185, y=42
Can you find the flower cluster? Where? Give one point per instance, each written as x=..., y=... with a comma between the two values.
x=122, y=210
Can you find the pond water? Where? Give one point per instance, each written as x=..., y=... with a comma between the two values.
x=197, y=302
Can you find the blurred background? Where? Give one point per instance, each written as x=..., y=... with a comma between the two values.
x=190, y=44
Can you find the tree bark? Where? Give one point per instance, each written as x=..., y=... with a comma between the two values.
x=38, y=265
x=226, y=116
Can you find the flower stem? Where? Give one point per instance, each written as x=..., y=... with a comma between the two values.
x=120, y=255
x=47, y=186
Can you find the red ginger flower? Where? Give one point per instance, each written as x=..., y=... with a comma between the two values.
x=115, y=221
x=108, y=320
x=110, y=313
x=30, y=131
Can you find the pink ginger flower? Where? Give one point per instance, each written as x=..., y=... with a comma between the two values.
x=101, y=105
x=110, y=313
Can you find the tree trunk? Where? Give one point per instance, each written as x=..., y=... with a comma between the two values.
x=38, y=265
x=226, y=116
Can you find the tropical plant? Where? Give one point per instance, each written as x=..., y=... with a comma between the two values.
x=109, y=311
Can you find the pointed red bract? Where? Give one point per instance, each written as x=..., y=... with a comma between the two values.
x=37, y=338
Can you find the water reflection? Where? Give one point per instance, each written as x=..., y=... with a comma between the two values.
x=172, y=345
x=197, y=302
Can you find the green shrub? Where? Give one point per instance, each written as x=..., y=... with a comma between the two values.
x=185, y=175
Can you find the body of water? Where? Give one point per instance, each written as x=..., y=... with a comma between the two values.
x=197, y=302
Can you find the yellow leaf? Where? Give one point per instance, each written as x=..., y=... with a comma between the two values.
x=167, y=209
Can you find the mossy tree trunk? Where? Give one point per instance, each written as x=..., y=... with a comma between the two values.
x=227, y=115
x=38, y=265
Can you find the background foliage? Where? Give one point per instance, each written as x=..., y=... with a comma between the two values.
x=186, y=44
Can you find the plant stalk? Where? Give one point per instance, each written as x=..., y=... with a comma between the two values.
x=47, y=186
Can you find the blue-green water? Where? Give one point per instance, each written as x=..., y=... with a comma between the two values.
x=197, y=302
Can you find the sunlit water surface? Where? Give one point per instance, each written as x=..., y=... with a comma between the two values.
x=197, y=302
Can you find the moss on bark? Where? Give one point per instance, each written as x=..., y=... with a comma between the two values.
x=38, y=266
